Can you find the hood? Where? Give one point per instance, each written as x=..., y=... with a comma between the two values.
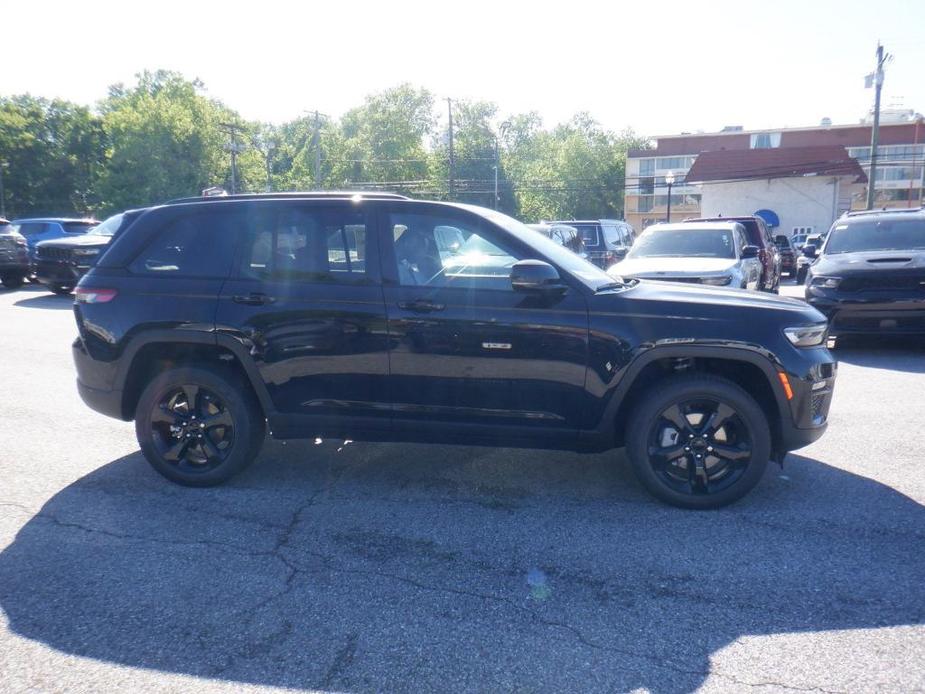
x=678, y=292
x=869, y=261
x=676, y=267
x=77, y=241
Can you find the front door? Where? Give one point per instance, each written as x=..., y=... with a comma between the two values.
x=307, y=300
x=470, y=356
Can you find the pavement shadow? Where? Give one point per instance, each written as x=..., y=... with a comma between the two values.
x=40, y=297
x=893, y=352
x=392, y=568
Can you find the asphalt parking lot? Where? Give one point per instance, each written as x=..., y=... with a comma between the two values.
x=341, y=566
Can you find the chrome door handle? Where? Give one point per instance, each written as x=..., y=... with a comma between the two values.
x=421, y=306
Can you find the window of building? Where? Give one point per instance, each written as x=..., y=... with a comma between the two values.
x=646, y=167
x=674, y=163
x=765, y=140
x=802, y=230
x=647, y=185
x=198, y=245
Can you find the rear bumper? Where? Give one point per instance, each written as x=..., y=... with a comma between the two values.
x=95, y=383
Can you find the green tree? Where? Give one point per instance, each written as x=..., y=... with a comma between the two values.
x=165, y=141
x=52, y=156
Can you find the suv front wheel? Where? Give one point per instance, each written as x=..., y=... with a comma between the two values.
x=698, y=441
x=198, y=426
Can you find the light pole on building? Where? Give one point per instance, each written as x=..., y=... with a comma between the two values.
x=669, y=179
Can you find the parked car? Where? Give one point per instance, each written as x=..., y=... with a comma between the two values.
x=869, y=275
x=14, y=256
x=798, y=241
x=788, y=257
x=807, y=256
x=715, y=253
x=564, y=235
x=47, y=228
x=59, y=264
x=758, y=235
x=606, y=241
x=210, y=322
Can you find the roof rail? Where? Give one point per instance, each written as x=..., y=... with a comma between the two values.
x=884, y=210
x=298, y=195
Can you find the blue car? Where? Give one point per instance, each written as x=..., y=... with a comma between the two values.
x=48, y=228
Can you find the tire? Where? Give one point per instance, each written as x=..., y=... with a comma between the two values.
x=680, y=480
x=177, y=440
x=801, y=276
x=12, y=281
x=61, y=289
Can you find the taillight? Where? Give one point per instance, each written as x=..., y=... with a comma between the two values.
x=88, y=295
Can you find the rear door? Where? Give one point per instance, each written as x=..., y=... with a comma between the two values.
x=306, y=299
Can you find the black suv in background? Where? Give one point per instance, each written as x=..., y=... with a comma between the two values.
x=564, y=235
x=606, y=241
x=209, y=321
x=869, y=275
x=14, y=256
x=788, y=256
x=60, y=263
x=768, y=253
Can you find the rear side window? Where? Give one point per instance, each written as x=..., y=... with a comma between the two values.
x=589, y=233
x=307, y=244
x=31, y=228
x=755, y=237
x=199, y=245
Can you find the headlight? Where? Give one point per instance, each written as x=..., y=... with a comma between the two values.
x=724, y=279
x=86, y=251
x=826, y=282
x=806, y=335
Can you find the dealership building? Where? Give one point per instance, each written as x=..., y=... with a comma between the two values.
x=801, y=179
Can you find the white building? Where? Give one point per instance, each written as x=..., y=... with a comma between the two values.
x=799, y=190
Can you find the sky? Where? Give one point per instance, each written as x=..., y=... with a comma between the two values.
x=656, y=67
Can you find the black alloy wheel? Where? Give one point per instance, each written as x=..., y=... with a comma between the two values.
x=61, y=289
x=699, y=446
x=199, y=425
x=192, y=429
x=698, y=441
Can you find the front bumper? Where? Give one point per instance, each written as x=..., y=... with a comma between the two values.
x=59, y=272
x=813, y=384
x=877, y=313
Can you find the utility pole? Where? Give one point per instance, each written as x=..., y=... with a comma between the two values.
x=502, y=128
x=317, y=150
x=2, y=195
x=875, y=131
x=233, y=129
x=452, y=171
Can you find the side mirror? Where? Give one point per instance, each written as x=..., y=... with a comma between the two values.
x=809, y=250
x=535, y=276
x=750, y=251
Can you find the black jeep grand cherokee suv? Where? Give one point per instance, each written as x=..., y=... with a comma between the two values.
x=209, y=321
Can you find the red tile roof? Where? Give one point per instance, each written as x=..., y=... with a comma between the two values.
x=783, y=162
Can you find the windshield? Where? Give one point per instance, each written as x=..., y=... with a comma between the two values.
x=109, y=227
x=575, y=265
x=686, y=243
x=78, y=227
x=877, y=235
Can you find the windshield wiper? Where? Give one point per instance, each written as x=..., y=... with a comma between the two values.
x=616, y=285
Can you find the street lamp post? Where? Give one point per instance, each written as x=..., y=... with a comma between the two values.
x=669, y=179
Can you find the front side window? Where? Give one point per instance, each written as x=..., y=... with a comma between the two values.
x=479, y=260
x=301, y=243
x=198, y=245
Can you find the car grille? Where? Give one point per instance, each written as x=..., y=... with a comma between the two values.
x=884, y=281
x=54, y=253
x=818, y=405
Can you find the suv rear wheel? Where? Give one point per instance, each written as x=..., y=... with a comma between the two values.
x=698, y=442
x=197, y=426
x=61, y=289
x=12, y=281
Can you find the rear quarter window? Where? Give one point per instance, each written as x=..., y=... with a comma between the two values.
x=589, y=234
x=199, y=246
x=78, y=227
